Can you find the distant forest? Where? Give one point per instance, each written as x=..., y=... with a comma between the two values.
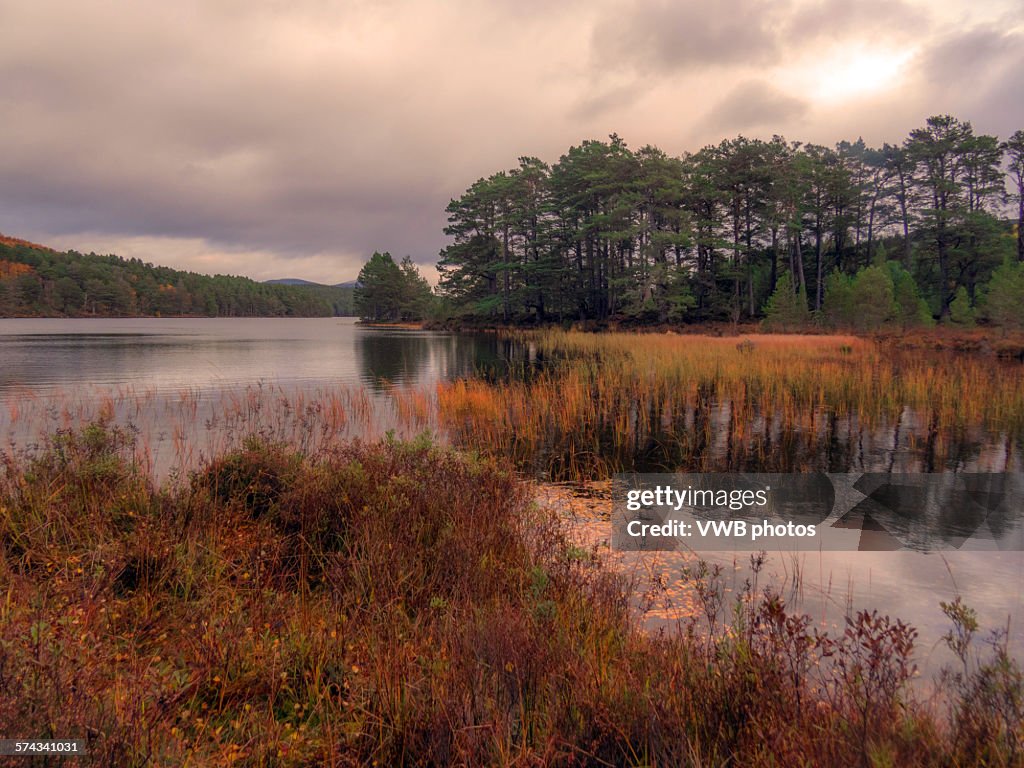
x=39, y=282
x=926, y=230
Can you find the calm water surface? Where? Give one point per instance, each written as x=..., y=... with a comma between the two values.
x=162, y=368
x=48, y=355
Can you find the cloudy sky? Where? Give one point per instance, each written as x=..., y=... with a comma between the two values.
x=292, y=138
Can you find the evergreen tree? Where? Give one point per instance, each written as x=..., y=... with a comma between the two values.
x=786, y=309
x=609, y=232
x=1004, y=296
x=837, y=306
x=380, y=291
x=872, y=302
x=416, y=294
x=909, y=309
x=1014, y=149
x=388, y=292
x=961, y=312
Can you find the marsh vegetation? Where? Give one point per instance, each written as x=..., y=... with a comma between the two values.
x=278, y=582
x=400, y=603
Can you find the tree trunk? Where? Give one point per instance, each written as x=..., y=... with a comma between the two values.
x=817, y=257
x=775, y=260
x=1020, y=224
x=506, y=264
x=800, y=263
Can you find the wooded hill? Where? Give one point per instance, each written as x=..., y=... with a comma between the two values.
x=39, y=282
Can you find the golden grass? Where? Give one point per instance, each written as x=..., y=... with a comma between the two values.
x=613, y=396
x=601, y=403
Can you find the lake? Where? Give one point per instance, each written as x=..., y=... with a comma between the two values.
x=189, y=387
x=46, y=355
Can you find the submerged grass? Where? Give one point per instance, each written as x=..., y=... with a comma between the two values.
x=398, y=603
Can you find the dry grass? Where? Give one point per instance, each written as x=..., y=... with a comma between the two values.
x=601, y=403
x=616, y=402
x=251, y=588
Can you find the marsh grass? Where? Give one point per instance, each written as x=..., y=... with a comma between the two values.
x=617, y=402
x=399, y=603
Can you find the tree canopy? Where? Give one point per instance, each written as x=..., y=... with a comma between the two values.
x=390, y=292
x=613, y=233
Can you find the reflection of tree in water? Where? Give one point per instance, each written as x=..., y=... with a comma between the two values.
x=702, y=434
x=464, y=356
x=491, y=358
x=985, y=501
x=927, y=511
x=391, y=358
x=402, y=357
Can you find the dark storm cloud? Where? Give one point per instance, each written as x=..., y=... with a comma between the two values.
x=753, y=104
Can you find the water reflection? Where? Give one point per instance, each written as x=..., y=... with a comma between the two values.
x=385, y=358
x=40, y=356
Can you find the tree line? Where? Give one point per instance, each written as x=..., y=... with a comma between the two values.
x=609, y=232
x=39, y=282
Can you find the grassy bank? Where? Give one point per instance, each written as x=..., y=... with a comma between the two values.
x=403, y=604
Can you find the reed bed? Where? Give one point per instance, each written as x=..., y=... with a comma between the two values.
x=227, y=577
x=615, y=402
x=177, y=431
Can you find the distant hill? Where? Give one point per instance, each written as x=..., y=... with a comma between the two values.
x=300, y=281
x=341, y=296
x=36, y=281
x=293, y=281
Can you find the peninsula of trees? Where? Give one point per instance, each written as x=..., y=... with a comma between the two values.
x=930, y=229
x=39, y=282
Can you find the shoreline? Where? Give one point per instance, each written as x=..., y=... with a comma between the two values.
x=824, y=585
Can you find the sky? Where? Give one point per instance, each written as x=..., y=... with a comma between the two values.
x=292, y=138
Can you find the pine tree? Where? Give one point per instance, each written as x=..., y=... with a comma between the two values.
x=1004, y=296
x=786, y=309
x=961, y=312
x=380, y=292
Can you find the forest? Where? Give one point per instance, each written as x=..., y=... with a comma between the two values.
x=795, y=234
x=39, y=282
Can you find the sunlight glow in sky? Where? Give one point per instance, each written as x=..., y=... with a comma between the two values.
x=847, y=75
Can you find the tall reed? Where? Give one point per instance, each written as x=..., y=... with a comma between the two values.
x=625, y=401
